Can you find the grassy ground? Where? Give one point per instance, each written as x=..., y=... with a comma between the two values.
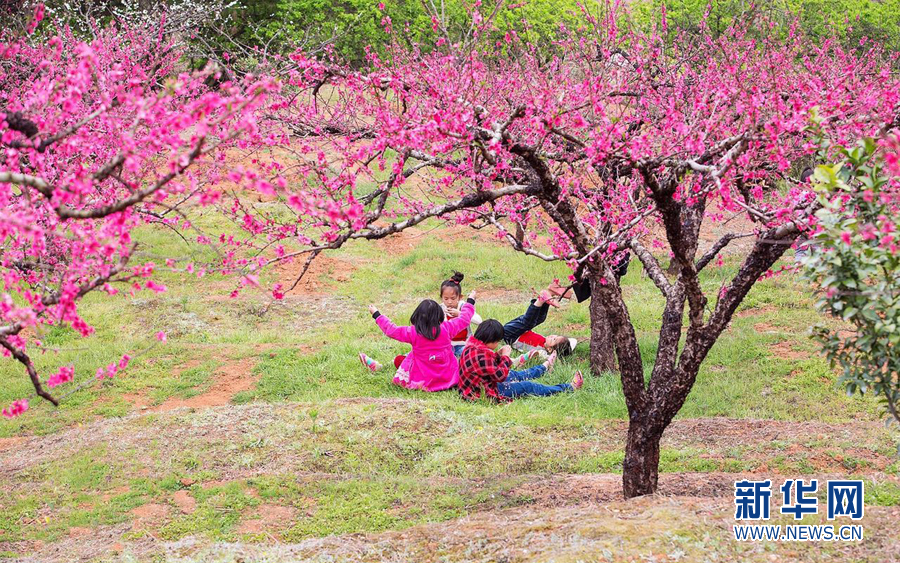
x=255, y=422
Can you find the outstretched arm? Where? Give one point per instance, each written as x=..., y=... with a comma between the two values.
x=399, y=333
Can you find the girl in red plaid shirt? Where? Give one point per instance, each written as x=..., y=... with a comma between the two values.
x=484, y=368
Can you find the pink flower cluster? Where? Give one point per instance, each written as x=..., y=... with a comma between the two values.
x=17, y=408
x=64, y=375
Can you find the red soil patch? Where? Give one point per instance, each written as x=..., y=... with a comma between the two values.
x=267, y=518
x=322, y=270
x=402, y=242
x=148, y=516
x=78, y=532
x=184, y=501
x=455, y=233
x=230, y=379
x=765, y=327
x=11, y=442
x=117, y=491
x=785, y=351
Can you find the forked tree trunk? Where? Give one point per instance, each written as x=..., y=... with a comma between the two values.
x=640, y=470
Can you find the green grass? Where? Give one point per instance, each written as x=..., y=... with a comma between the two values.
x=740, y=378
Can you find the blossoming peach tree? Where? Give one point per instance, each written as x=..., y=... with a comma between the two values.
x=625, y=141
x=854, y=258
x=99, y=137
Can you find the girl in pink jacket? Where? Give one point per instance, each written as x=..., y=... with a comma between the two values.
x=431, y=366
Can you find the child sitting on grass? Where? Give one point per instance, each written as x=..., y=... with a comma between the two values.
x=451, y=294
x=484, y=368
x=431, y=365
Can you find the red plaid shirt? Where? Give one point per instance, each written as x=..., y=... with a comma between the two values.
x=482, y=368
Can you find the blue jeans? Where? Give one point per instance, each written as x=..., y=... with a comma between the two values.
x=523, y=323
x=517, y=384
x=457, y=350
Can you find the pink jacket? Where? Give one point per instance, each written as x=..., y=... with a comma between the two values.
x=431, y=366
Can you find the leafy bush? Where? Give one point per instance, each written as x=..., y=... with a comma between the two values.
x=855, y=260
x=356, y=24
x=850, y=20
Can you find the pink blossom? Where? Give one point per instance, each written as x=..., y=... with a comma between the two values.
x=161, y=336
x=17, y=408
x=64, y=375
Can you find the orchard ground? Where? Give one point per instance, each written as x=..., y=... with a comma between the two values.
x=253, y=432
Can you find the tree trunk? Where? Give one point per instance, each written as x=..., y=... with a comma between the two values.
x=640, y=471
x=603, y=356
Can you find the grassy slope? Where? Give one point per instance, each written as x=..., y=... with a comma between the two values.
x=395, y=458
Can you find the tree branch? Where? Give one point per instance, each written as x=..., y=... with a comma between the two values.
x=717, y=247
x=35, y=182
x=23, y=358
x=651, y=266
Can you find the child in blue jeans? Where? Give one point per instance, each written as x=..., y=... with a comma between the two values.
x=484, y=368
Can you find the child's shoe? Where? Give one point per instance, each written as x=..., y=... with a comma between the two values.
x=369, y=362
x=526, y=357
x=578, y=380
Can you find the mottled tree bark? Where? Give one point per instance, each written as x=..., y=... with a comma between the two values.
x=603, y=348
x=640, y=470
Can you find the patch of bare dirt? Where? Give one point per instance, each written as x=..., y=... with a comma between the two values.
x=11, y=443
x=455, y=233
x=184, y=501
x=711, y=231
x=149, y=516
x=79, y=532
x=786, y=351
x=322, y=272
x=403, y=242
x=266, y=519
x=230, y=379
x=121, y=490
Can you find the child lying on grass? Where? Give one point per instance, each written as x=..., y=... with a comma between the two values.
x=484, y=368
x=518, y=334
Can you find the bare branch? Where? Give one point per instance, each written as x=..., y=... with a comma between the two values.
x=35, y=182
x=651, y=266
x=717, y=247
x=517, y=244
x=23, y=358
